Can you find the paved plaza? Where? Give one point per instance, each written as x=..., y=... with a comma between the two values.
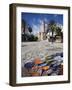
x=30, y=50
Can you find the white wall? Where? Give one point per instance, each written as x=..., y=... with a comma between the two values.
x=4, y=45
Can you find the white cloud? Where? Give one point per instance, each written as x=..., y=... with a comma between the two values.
x=40, y=21
x=46, y=20
x=36, y=28
x=39, y=26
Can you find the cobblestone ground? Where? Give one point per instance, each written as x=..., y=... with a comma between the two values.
x=41, y=49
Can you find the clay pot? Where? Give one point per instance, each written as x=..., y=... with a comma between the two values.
x=45, y=67
x=37, y=61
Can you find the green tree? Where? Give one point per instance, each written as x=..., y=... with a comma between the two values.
x=52, y=27
x=58, y=31
x=30, y=29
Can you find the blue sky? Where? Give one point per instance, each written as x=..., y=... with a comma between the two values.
x=35, y=19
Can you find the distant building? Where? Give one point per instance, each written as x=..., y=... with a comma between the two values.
x=42, y=34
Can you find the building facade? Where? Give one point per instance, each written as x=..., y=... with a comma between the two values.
x=42, y=34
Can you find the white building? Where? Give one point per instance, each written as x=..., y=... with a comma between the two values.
x=42, y=34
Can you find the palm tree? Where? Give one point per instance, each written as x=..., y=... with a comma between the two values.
x=52, y=26
x=23, y=25
x=58, y=31
x=30, y=29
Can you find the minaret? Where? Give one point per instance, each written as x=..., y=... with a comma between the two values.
x=42, y=30
x=43, y=33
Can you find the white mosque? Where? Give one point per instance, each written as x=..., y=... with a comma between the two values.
x=42, y=34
